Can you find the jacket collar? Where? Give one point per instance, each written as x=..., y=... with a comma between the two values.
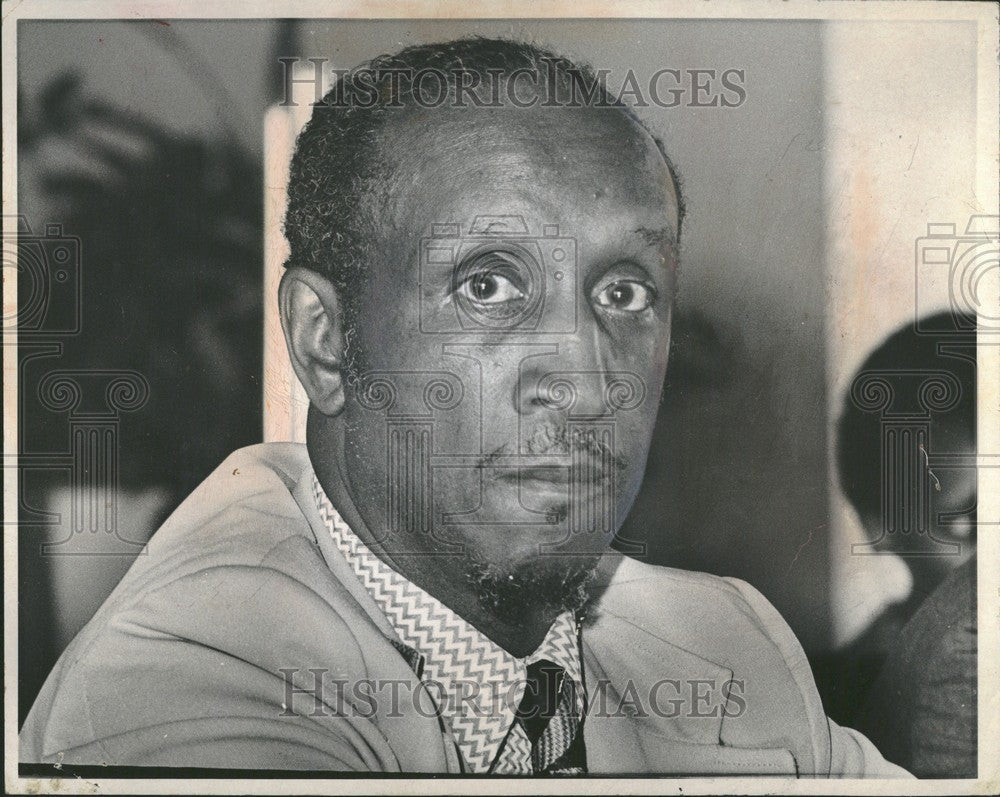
x=341, y=569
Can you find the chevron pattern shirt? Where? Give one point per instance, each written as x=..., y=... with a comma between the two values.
x=477, y=684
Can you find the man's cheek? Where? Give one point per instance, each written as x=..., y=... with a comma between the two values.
x=635, y=445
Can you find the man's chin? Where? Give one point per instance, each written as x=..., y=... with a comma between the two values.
x=549, y=584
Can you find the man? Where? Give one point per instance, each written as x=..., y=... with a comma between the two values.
x=921, y=708
x=477, y=302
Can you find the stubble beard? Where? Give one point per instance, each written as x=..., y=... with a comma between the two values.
x=549, y=586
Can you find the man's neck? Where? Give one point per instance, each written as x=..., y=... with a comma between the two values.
x=434, y=575
x=443, y=576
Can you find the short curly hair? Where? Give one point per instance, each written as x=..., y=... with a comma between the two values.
x=331, y=218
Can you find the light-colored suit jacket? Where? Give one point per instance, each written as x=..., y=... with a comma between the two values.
x=238, y=639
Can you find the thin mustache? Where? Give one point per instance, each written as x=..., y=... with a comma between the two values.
x=558, y=440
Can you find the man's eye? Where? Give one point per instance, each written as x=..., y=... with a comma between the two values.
x=489, y=288
x=627, y=296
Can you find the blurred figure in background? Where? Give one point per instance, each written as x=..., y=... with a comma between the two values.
x=921, y=710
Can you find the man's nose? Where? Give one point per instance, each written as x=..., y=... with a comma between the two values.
x=572, y=381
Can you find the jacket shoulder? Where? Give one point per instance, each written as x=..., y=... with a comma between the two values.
x=673, y=594
x=230, y=590
x=731, y=625
x=235, y=517
x=725, y=620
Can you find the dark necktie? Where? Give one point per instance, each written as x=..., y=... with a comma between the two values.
x=548, y=713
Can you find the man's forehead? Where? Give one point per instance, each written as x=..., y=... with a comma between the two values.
x=552, y=160
x=540, y=134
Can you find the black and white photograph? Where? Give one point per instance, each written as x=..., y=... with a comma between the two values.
x=519, y=397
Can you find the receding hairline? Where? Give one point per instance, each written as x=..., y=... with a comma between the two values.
x=617, y=135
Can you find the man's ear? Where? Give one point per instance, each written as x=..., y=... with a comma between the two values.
x=311, y=318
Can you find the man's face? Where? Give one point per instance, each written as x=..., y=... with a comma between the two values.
x=513, y=335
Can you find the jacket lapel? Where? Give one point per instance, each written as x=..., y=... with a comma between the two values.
x=411, y=726
x=653, y=705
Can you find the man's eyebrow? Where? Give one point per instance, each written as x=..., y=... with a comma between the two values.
x=658, y=238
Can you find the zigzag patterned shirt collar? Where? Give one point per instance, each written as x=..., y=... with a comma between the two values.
x=458, y=659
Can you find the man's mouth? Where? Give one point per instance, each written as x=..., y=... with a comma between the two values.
x=559, y=463
x=583, y=475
